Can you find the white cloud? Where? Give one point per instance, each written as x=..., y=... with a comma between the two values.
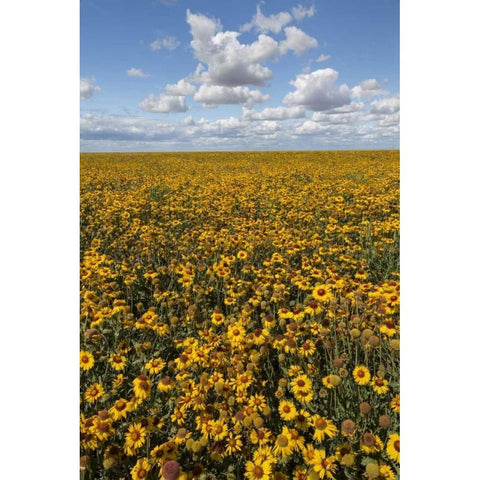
x=300, y=12
x=317, y=91
x=164, y=104
x=136, y=72
x=113, y=127
x=182, y=87
x=212, y=95
x=323, y=57
x=368, y=89
x=275, y=113
x=88, y=87
x=230, y=63
x=168, y=43
x=271, y=23
x=117, y=133
x=386, y=106
x=298, y=41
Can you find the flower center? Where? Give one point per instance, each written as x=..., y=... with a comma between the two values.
x=320, y=423
x=258, y=471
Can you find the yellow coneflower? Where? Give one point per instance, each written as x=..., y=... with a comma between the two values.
x=120, y=409
x=258, y=471
x=307, y=348
x=165, y=384
x=361, y=375
x=219, y=430
x=393, y=447
x=371, y=443
x=117, y=362
x=142, y=387
x=234, y=444
x=283, y=446
x=302, y=388
x=386, y=472
x=86, y=360
x=302, y=420
x=323, y=465
x=155, y=366
x=94, y=392
x=388, y=328
x=380, y=385
x=258, y=402
x=135, y=437
x=141, y=469
x=102, y=428
x=264, y=454
x=287, y=410
x=323, y=427
x=395, y=404
x=261, y=436
x=322, y=293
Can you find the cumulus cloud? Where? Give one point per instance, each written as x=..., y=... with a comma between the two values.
x=182, y=87
x=386, y=106
x=275, y=113
x=230, y=63
x=300, y=12
x=317, y=91
x=168, y=43
x=136, y=72
x=88, y=87
x=271, y=23
x=212, y=95
x=112, y=132
x=164, y=104
x=368, y=89
x=298, y=41
x=323, y=57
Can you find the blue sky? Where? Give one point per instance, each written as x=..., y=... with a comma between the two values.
x=214, y=75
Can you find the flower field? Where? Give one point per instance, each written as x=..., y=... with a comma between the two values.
x=239, y=315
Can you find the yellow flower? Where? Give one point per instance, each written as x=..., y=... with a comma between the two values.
x=141, y=469
x=258, y=471
x=379, y=385
x=287, y=410
x=323, y=427
x=155, y=366
x=323, y=465
x=94, y=392
x=361, y=375
x=120, y=409
x=234, y=444
x=117, y=361
x=142, y=387
x=86, y=360
x=395, y=404
x=322, y=293
x=283, y=444
x=135, y=437
x=393, y=447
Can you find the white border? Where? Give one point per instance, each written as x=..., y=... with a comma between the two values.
x=439, y=218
